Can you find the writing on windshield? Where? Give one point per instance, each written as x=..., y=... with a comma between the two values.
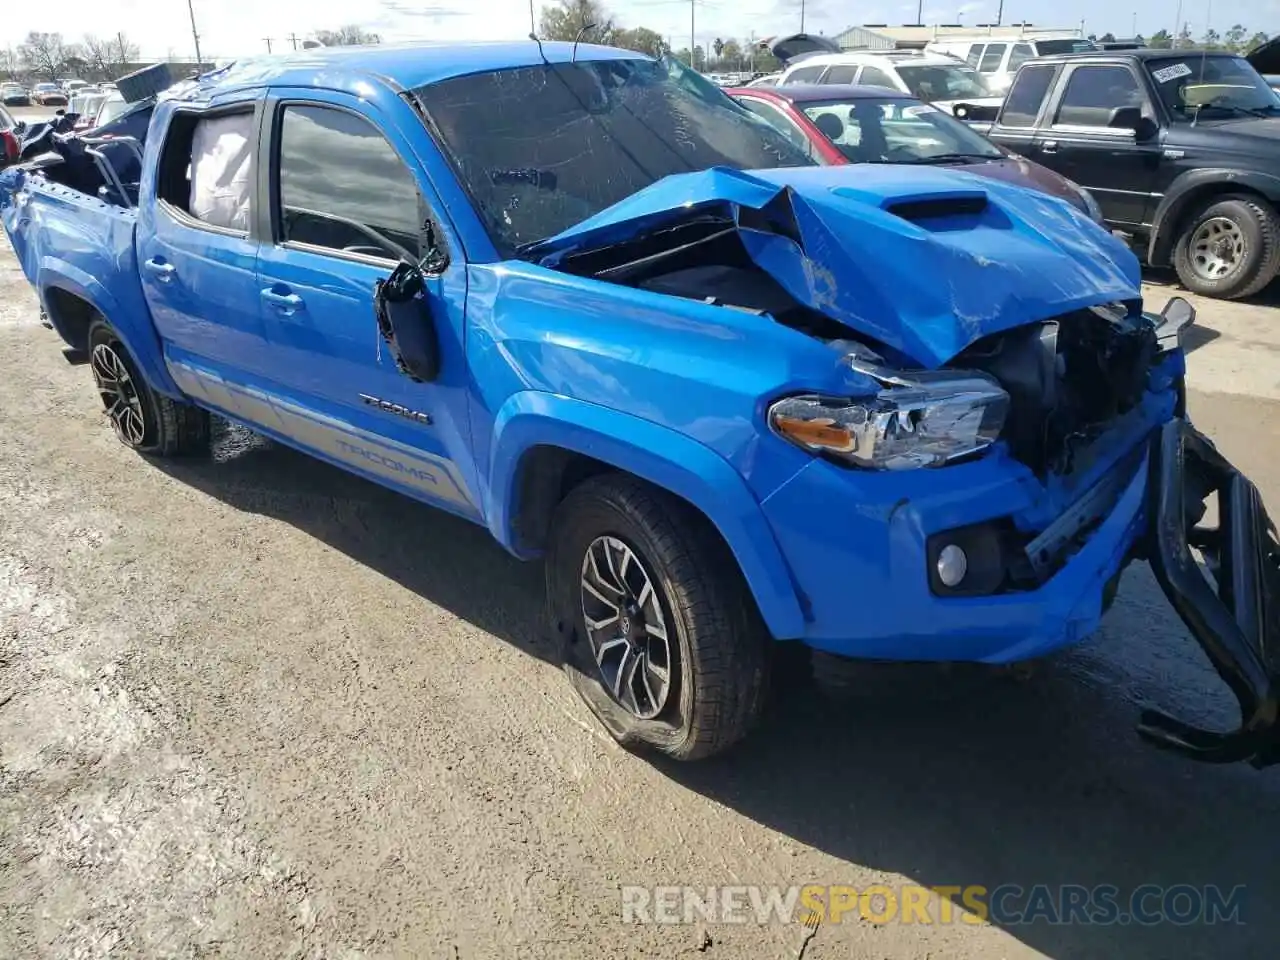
x=1195, y=86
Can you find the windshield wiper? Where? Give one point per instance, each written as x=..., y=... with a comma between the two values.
x=1263, y=112
x=956, y=158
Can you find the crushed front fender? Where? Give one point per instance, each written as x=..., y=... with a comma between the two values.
x=1234, y=617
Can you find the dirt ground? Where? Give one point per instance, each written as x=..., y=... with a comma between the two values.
x=253, y=707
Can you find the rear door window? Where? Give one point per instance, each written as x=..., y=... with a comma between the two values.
x=342, y=186
x=992, y=57
x=875, y=77
x=805, y=74
x=1019, y=55
x=975, y=55
x=1022, y=105
x=841, y=73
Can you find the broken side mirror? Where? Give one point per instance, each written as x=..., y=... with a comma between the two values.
x=406, y=323
x=1175, y=318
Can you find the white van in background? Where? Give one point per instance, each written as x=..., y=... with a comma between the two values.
x=997, y=58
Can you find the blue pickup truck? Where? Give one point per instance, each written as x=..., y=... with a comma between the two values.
x=737, y=401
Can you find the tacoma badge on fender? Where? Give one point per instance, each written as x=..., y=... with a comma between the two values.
x=400, y=411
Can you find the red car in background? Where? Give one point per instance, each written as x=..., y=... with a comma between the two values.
x=839, y=123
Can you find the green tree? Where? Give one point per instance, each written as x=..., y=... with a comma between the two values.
x=1257, y=40
x=1211, y=39
x=1235, y=38
x=642, y=39
x=1161, y=39
x=731, y=56
x=1184, y=37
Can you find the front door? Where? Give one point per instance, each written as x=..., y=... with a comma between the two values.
x=348, y=202
x=1110, y=163
x=197, y=252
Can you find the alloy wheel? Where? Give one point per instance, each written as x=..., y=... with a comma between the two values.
x=626, y=627
x=119, y=394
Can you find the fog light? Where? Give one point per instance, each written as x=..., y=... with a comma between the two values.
x=953, y=564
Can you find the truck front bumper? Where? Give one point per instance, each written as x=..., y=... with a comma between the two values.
x=1234, y=616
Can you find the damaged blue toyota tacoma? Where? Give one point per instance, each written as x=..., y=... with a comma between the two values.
x=737, y=401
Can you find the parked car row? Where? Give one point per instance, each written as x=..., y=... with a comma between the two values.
x=49, y=93
x=1175, y=149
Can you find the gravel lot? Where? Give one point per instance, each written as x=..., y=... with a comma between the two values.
x=253, y=707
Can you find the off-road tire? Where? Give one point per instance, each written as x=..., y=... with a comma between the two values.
x=722, y=640
x=170, y=428
x=1260, y=228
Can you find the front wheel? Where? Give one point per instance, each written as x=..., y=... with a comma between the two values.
x=662, y=638
x=142, y=419
x=1229, y=248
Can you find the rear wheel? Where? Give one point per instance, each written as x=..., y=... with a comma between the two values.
x=662, y=638
x=1229, y=248
x=142, y=419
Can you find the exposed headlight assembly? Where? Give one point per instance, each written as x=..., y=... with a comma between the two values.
x=921, y=419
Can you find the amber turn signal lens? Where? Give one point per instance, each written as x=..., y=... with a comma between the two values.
x=815, y=433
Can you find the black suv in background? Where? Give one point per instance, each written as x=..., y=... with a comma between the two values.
x=1181, y=149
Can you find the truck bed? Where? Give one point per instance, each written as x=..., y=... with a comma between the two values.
x=78, y=251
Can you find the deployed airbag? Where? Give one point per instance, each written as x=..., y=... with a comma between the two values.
x=221, y=170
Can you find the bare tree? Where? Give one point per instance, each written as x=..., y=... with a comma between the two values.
x=122, y=54
x=574, y=18
x=9, y=63
x=44, y=54
x=97, y=56
x=348, y=36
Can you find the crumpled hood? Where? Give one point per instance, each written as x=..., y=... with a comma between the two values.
x=924, y=260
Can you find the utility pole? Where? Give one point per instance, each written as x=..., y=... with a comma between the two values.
x=268, y=40
x=1133, y=30
x=920, y=12
x=293, y=39
x=693, y=36
x=195, y=35
x=802, y=16
x=533, y=25
x=1177, y=27
x=1000, y=14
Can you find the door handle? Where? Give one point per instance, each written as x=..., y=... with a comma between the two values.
x=1049, y=146
x=162, y=271
x=286, y=303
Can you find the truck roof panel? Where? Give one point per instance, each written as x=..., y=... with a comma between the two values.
x=406, y=66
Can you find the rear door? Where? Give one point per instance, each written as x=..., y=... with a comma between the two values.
x=1109, y=162
x=197, y=252
x=347, y=201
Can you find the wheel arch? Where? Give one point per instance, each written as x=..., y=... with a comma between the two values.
x=1195, y=188
x=72, y=299
x=545, y=444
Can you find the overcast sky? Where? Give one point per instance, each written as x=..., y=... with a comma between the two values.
x=237, y=27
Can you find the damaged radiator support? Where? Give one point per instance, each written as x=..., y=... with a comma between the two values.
x=1069, y=379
